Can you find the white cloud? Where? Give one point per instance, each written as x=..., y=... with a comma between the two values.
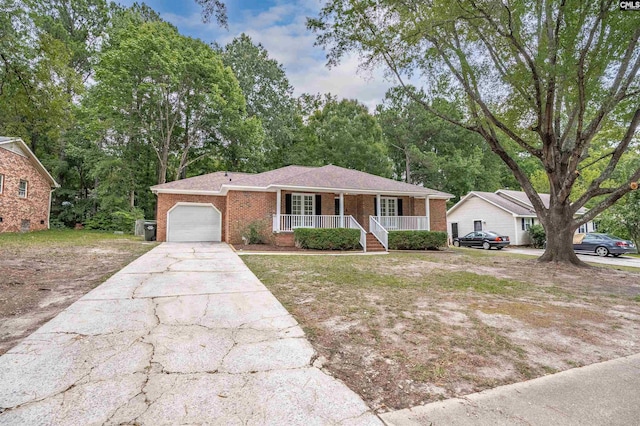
x=282, y=30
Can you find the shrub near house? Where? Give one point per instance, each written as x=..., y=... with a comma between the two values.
x=416, y=240
x=327, y=239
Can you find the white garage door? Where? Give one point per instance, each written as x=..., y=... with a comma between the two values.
x=194, y=222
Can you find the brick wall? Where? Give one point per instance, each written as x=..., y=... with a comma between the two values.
x=438, y=210
x=284, y=239
x=244, y=208
x=13, y=209
x=166, y=201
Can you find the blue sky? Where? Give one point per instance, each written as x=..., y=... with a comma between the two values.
x=280, y=26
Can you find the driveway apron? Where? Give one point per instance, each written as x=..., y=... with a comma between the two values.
x=186, y=334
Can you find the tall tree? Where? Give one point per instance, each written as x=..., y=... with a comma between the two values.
x=541, y=79
x=428, y=150
x=343, y=133
x=173, y=93
x=269, y=96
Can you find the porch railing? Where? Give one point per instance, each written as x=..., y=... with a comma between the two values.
x=378, y=230
x=289, y=222
x=353, y=224
x=403, y=223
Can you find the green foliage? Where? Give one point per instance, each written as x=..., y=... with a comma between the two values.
x=623, y=220
x=551, y=87
x=417, y=240
x=118, y=220
x=269, y=96
x=537, y=234
x=428, y=150
x=254, y=232
x=327, y=239
x=343, y=134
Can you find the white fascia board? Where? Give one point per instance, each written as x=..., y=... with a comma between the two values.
x=358, y=191
x=482, y=198
x=273, y=188
x=34, y=160
x=459, y=203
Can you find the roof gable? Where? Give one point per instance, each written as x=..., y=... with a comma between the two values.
x=17, y=146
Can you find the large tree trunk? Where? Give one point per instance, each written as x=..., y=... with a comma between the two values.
x=559, y=228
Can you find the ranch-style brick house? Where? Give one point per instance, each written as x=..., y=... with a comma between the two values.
x=221, y=206
x=505, y=211
x=25, y=188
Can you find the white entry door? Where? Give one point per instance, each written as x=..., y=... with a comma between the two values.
x=191, y=222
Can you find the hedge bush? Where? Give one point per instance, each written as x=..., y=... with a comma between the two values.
x=537, y=234
x=327, y=239
x=416, y=240
x=119, y=220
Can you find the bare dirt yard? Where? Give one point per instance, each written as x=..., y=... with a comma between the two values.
x=42, y=273
x=407, y=329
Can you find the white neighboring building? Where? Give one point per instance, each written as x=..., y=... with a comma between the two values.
x=504, y=211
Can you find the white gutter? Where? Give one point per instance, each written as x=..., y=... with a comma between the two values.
x=49, y=211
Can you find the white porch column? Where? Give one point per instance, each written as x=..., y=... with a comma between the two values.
x=278, y=203
x=427, y=212
x=341, y=210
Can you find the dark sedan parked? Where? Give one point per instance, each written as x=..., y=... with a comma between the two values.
x=602, y=244
x=484, y=239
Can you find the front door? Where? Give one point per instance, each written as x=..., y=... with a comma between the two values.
x=302, y=207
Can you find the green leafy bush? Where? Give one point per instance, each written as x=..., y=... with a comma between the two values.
x=327, y=239
x=254, y=233
x=119, y=220
x=416, y=240
x=537, y=234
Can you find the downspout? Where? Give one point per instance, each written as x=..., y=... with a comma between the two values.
x=49, y=211
x=427, y=211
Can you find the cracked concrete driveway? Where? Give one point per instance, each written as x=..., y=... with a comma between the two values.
x=185, y=334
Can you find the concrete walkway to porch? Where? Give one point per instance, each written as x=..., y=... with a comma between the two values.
x=185, y=334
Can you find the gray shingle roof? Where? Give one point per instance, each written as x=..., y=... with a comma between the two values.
x=506, y=204
x=326, y=177
x=522, y=206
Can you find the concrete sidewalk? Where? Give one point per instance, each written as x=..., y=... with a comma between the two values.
x=186, y=334
x=607, y=393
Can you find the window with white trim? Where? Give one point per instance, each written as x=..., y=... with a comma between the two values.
x=22, y=189
x=302, y=204
x=582, y=229
x=527, y=222
x=388, y=206
x=1, y=182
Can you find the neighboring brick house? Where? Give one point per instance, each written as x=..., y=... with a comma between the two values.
x=25, y=188
x=222, y=206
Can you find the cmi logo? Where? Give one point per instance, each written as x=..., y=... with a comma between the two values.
x=630, y=5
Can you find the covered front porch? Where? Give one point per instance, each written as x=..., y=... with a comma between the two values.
x=375, y=214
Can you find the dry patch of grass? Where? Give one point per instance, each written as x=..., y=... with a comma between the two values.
x=41, y=273
x=406, y=329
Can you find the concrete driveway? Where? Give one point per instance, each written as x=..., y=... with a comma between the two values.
x=593, y=258
x=185, y=334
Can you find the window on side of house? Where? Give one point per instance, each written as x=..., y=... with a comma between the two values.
x=582, y=229
x=1, y=182
x=527, y=222
x=388, y=206
x=22, y=189
x=477, y=225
